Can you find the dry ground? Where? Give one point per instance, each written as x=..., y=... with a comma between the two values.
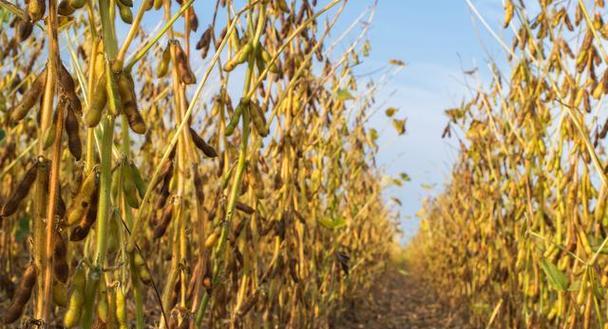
x=400, y=301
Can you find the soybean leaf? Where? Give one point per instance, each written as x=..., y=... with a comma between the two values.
x=555, y=276
x=23, y=229
x=332, y=224
x=344, y=94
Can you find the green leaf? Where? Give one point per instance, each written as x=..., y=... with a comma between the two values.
x=575, y=286
x=596, y=244
x=344, y=94
x=598, y=291
x=3, y=16
x=556, y=277
x=23, y=229
x=403, y=272
x=427, y=187
x=332, y=224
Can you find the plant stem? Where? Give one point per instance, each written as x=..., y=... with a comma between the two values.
x=105, y=181
x=44, y=289
x=105, y=186
x=51, y=211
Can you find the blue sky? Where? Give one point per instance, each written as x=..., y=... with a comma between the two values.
x=438, y=39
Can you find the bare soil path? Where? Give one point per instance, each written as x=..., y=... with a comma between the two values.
x=399, y=300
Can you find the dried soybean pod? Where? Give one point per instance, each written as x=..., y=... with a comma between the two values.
x=72, y=315
x=234, y=120
x=244, y=208
x=66, y=82
x=142, y=270
x=193, y=19
x=60, y=264
x=148, y=4
x=24, y=29
x=200, y=143
x=163, y=65
x=199, y=187
x=84, y=226
x=82, y=200
x=158, y=4
x=166, y=217
x=68, y=89
x=128, y=3
x=65, y=8
x=163, y=196
x=36, y=9
x=182, y=64
x=126, y=89
x=30, y=98
x=205, y=41
x=136, y=121
x=128, y=186
x=21, y=190
x=259, y=121
x=22, y=295
x=72, y=128
x=281, y=5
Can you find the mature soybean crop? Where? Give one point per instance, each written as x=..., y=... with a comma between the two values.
x=520, y=233
x=130, y=200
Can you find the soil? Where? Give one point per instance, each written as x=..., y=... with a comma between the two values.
x=400, y=300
